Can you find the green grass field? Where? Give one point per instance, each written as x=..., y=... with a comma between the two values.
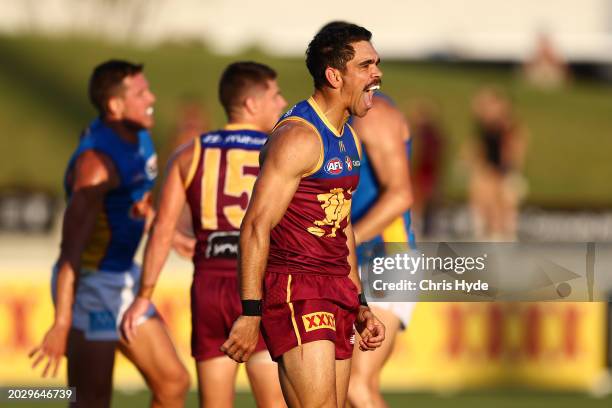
x=44, y=107
x=482, y=399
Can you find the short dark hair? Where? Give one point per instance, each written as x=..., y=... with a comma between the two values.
x=331, y=47
x=107, y=81
x=238, y=77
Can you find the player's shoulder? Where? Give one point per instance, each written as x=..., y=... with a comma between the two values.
x=384, y=114
x=94, y=167
x=296, y=132
x=296, y=140
x=385, y=106
x=94, y=159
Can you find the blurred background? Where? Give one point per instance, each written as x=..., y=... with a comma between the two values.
x=510, y=108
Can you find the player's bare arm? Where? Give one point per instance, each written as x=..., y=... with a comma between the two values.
x=292, y=151
x=382, y=131
x=370, y=329
x=184, y=245
x=95, y=175
x=171, y=203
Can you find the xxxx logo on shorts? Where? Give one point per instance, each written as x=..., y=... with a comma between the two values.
x=319, y=320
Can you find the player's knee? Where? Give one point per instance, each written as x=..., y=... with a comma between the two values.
x=95, y=392
x=326, y=399
x=271, y=398
x=174, y=387
x=181, y=382
x=360, y=391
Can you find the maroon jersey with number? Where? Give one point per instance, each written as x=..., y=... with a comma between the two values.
x=310, y=237
x=219, y=185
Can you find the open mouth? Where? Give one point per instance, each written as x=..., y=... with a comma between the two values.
x=149, y=111
x=369, y=93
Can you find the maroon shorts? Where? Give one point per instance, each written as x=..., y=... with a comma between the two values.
x=300, y=308
x=215, y=305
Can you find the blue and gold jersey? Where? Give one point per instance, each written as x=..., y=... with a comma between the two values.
x=120, y=225
x=310, y=237
x=366, y=195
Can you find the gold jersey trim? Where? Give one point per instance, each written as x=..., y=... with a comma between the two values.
x=356, y=139
x=241, y=126
x=197, y=148
x=321, y=115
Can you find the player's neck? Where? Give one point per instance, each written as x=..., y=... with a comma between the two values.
x=331, y=106
x=240, y=122
x=126, y=132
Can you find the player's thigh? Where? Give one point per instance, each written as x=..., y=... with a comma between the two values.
x=153, y=353
x=216, y=378
x=90, y=369
x=263, y=376
x=370, y=363
x=310, y=369
x=289, y=392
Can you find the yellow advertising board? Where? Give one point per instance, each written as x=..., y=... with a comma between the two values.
x=447, y=346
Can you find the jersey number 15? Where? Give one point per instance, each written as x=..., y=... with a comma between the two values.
x=236, y=183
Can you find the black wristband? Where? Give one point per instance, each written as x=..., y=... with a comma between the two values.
x=362, y=300
x=251, y=307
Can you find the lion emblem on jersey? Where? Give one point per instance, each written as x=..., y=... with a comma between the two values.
x=336, y=207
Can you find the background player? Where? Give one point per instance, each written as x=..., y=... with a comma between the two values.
x=297, y=229
x=381, y=214
x=108, y=183
x=215, y=174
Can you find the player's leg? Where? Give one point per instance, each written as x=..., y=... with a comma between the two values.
x=364, y=390
x=153, y=353
x=343, y=374
x=289, y=393
x=90, y=369
x=308, y=375
x=216, y=378
x=263, y=376
x=215, y=305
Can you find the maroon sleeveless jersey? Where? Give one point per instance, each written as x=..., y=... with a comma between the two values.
x=219, y=185
x=310, y=237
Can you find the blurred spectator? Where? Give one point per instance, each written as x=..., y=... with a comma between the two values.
x=546, y=68
x=193, y=120
x=496, y=185
x=429, y=141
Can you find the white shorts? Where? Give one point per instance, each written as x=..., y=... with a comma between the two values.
x=402, y=310
x=101, y=299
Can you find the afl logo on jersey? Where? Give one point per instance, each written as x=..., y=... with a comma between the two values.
x=333, y=166
x=151, y=167
x=349, y=163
